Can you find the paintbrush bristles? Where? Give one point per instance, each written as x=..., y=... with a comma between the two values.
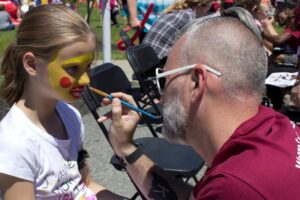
x=99, y=92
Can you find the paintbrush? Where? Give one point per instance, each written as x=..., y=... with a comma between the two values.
x=124, y=103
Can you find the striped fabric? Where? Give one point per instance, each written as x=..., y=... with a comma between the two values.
x=159, y=6
x=162, y=34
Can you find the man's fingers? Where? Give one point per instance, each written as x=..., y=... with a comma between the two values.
x=104, y=117
x=126, y=97
x=116, y=110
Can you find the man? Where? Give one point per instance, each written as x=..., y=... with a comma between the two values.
x=138, y=8
x=214, y=106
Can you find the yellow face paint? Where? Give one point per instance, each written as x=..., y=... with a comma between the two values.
x=69, y=77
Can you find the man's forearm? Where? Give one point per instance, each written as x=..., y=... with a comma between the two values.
x=132, y=8
x=156, y=183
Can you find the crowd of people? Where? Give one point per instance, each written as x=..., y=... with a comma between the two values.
x=217, y=56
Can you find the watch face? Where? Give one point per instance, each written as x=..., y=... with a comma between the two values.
x=69, y=77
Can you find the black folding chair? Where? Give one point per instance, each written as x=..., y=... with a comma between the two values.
x=143, y=61
x=179, y=160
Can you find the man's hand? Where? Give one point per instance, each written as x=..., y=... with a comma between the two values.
x=135, y=23
x=124, y=122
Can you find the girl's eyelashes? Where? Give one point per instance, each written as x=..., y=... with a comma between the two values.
x=72, y=70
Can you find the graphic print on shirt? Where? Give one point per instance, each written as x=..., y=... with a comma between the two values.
x=66, y=185
x=297, y=165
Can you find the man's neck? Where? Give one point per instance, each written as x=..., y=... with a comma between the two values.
x=218, y=124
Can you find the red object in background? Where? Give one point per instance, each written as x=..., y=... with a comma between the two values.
x=121, y=46
x=216, y=6
x=12, y=9
x=229, y=1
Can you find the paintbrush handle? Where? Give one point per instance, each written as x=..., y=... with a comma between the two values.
x=130, y=106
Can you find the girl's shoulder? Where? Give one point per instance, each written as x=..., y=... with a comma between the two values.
x=18, y=145
x=15, y=127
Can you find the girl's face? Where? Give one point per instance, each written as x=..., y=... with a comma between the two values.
x=68, y=71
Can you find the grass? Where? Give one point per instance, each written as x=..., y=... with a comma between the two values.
x=7, y=37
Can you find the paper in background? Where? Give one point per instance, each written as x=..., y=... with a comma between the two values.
x=282, y=79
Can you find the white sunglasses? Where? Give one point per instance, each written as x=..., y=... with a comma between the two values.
x=160, y=80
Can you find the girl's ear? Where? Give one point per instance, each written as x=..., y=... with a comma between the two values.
x=29, y=63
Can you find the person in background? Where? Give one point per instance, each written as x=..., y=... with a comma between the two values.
x=291, y=35
x=138, y=8
x=114, y=12
x=41, y=137
x=295, y=92
x=288, y=40
x=5, y=20
x=124, y=10
x=164, y=31
x=212, y=86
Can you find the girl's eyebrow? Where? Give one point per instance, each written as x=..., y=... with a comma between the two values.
x=79, y=59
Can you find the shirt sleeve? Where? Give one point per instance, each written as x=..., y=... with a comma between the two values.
x=17, y=159
x=225, y=186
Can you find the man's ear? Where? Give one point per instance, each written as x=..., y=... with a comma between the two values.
x=198, y=81
x=29, y=63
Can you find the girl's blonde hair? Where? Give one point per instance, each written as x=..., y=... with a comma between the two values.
x=184, y=4
x=43, y=31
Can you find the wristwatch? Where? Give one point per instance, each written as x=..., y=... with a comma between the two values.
x=134, y=156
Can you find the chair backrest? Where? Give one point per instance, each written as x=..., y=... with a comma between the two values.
x=109, y=78
x=143, y=61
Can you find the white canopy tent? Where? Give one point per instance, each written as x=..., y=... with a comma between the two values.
x=106, y=27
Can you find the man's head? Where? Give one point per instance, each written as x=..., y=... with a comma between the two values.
x=230, y=47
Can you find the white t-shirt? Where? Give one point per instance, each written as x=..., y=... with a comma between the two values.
x=29, y=153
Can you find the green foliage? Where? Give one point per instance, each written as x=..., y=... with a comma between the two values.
x=7, y=37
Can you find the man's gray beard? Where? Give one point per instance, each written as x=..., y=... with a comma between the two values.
x=174, y=119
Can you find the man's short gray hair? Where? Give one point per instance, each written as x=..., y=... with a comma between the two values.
x=232, y=46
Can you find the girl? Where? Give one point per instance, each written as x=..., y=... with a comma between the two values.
x=41, y=135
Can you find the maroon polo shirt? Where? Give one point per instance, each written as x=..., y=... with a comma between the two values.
x=261, y=160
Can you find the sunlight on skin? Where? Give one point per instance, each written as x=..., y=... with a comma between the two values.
x=69, y=77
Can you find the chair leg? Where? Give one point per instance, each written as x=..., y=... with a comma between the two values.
x=134, y=196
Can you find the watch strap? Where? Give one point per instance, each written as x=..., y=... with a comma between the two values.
x=134, y=156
